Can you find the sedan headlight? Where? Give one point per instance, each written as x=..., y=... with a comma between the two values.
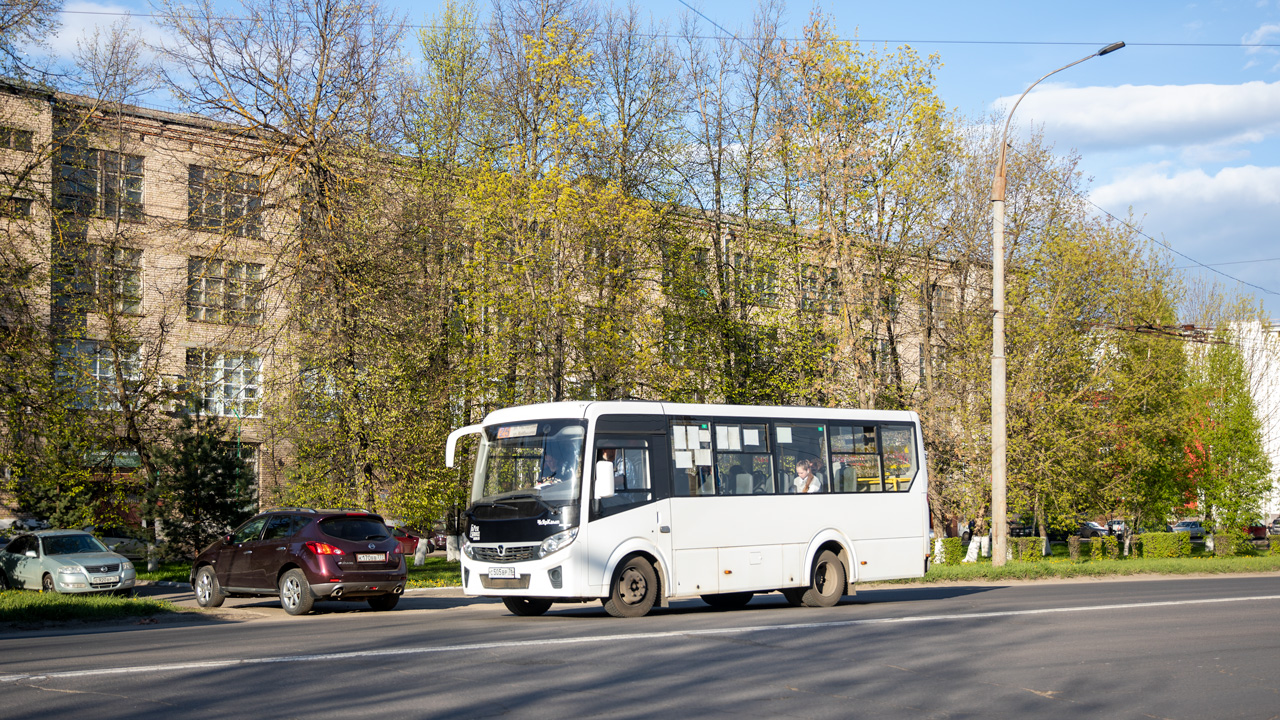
x=71, y=570
x=557, y=542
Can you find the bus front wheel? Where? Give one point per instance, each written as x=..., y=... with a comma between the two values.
x=634, y=589
x=828, y=584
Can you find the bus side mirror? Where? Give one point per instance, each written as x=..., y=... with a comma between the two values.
x=604, y=479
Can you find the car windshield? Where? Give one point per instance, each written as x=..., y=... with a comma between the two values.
x=354, y=528
x=71, y=544
x=539, y=461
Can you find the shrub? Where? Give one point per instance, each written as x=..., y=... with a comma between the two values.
x=1274, y=542
x=1073, y=547
x=1166, y=545
x=1231, y=543
x=1096, y=549
x=952, y=551
x=1111, y=546
x=1027, y=549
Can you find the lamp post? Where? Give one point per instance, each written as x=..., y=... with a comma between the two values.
x=999, y=508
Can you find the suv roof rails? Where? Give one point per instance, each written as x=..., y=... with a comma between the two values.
x=290, y=509
x=346, y=510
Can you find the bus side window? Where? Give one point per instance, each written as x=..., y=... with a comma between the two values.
x=797, y=442
x=691, y=455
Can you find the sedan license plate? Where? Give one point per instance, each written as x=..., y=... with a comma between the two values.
x=502, y=572
x=106, y=579
x=371, y=557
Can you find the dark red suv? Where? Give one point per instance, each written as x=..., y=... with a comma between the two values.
x=303, y=555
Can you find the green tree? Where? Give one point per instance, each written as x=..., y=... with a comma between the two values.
x=202, y=489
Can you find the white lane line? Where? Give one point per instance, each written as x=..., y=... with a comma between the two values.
x=214, y=664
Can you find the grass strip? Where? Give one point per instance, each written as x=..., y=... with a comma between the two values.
x=22, y=606
x=170, y=571
x=435, y=572
x=1064, y=568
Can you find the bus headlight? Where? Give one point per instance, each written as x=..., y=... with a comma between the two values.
x=466, y=548
x=557, y=541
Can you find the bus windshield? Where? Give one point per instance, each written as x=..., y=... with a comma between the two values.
x=540, y=461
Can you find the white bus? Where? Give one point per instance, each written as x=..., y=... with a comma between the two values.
x=635, y=503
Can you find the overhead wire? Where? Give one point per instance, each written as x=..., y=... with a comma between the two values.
x=732, y=36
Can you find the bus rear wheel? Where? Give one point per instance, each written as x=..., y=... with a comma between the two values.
x=526, y=607
x=728, y=601
x=828, y=584
x=634, y=589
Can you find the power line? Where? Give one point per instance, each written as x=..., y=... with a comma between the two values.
x=1136, y=230
x=731, y=36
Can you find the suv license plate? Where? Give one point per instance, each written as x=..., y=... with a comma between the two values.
x=109, y=579
x=371, y=557
x=502, y=572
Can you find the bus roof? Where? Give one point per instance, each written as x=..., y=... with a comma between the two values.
x=588, y=409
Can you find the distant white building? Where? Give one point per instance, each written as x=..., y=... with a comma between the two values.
x=1260, y=345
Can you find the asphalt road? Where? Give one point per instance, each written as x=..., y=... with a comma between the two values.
x=1182, y=648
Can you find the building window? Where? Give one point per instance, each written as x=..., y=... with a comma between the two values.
x=224, y=291
x=90, y=369
x=111, y=276
x=757, y=280
x=15, y=207
x=224, y=201
x=227, y=384
x=818, y=289
x=99, y=182
x=16, y=139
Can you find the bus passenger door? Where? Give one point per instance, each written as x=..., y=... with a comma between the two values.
x=638, y=512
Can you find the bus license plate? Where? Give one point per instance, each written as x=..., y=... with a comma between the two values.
x=371, y=557
x=502, y=572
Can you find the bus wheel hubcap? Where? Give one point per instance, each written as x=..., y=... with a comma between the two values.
x=633, y=586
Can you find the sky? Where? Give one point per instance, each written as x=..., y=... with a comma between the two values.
x=1181, y=127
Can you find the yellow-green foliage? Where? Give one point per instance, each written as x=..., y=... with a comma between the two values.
x=952, y=551
x=1166, y=545
x=1027, y=549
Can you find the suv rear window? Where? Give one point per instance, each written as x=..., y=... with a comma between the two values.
x=354, y=528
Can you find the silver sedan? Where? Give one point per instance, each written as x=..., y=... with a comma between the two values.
x=65, y=561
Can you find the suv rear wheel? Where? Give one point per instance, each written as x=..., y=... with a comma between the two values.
x=295, y=593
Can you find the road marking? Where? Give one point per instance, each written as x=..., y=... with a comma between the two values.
x=242, y=662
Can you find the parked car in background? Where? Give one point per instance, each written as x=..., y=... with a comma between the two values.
x=1092, y=529
x=1256, y=532
x=439, y=540
x=64, y=561
x=1191, y=527
x=1020, y=529
x=1116, y=527
x=408, y=540
x=302, y=555
x=121, y=540
x=1274, y=527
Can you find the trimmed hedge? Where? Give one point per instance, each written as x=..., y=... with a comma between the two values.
x=1274, y=544
x=1073, y=547
x=952, y=551
x=1103, y=547
x=1232, y=543
x=1166, y=545
x=1027, y=549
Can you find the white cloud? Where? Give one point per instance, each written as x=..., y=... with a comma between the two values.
x=1260, y=36
x=1154, y=115
x=1228, y=216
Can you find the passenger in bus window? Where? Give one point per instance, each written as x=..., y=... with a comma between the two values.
x=806, y=481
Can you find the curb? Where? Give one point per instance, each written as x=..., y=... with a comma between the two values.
x=187, y=586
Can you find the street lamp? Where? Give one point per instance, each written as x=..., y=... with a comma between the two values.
x=999, y=509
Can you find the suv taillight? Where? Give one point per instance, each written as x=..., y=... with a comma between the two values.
x=321, y=548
